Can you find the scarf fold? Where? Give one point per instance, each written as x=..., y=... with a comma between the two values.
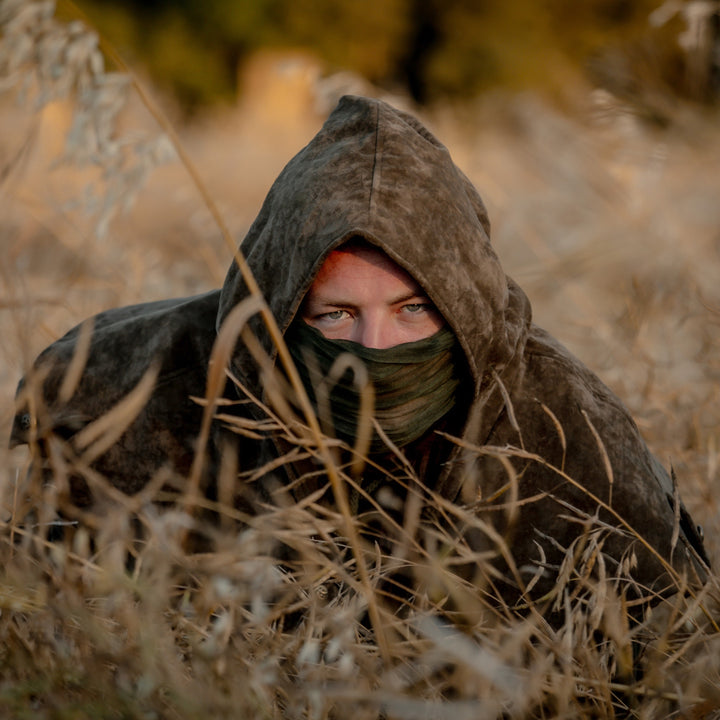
x=407, y=388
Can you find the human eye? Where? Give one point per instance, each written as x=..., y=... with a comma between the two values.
x=416, y=308
x=334, y=315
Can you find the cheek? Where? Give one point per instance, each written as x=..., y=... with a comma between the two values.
x=437, y=321
x=332, y=329
x=420, y=328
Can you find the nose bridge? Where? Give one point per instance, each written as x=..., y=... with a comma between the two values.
x=374, y=330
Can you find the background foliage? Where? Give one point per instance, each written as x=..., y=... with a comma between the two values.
x=433, y=49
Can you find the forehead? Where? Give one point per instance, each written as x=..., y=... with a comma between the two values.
x=361, y=263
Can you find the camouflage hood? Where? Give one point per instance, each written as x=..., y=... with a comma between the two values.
x=376, y=173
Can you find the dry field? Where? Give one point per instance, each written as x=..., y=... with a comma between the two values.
x=613, y=230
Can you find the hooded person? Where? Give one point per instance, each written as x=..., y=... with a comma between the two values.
x=487, y=410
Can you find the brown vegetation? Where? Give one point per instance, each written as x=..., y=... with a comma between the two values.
x=612, y=229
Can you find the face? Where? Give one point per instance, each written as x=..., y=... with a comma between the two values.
x=360, y=294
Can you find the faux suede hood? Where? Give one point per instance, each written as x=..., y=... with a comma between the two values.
x=376, y=173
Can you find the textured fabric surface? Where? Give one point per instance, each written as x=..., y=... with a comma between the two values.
x=413, y=384
x=376, y=173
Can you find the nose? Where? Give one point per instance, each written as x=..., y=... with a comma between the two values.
x=374, y=332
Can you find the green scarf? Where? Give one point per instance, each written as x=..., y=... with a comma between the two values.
x=414, y=383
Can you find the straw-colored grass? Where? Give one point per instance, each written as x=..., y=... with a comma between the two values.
x=609, y=226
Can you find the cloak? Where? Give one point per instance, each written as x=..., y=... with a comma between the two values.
x=376, y=173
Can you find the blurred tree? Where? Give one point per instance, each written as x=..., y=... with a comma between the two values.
x=485, y=44
x=369, y=38
x=422, y=40
x=191, y=47
x=433, y=48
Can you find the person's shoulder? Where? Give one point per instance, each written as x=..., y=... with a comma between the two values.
x=110, y=353
x=145, y=329
x=541, y=344
x=195, y=311
x=552, y=371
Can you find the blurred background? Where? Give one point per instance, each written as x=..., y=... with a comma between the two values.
x=430, y=50
x=590, y=129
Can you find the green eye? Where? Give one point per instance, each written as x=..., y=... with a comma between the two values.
x=335, y=315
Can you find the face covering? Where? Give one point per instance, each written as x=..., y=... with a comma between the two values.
x=414, y=383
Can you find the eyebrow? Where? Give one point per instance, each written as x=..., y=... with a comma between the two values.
x=330, y=302
x=410, y=296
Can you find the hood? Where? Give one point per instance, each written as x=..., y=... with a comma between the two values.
x=377, y=173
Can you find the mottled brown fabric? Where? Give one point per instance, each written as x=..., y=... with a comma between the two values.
x=376, y=173
x=175, y=335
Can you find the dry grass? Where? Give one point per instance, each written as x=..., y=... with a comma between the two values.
x=612, y=230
